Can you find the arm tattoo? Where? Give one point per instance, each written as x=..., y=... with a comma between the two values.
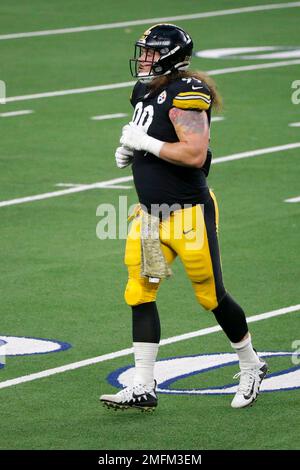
x=189, y=122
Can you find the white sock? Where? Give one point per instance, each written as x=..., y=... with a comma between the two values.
x=145, y=357
x=246, y=354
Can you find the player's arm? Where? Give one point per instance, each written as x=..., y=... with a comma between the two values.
x=189, y=118
x=192, y=130
x=193, y=133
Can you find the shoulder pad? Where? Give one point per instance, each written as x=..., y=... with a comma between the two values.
x=191, y=93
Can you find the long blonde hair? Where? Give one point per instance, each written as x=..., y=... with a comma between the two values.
x=164, y=80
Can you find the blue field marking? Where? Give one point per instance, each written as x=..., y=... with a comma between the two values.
x=165, y=386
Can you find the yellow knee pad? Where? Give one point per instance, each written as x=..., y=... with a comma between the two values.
x=206, y=294
x=139, y=292
x=133, y=292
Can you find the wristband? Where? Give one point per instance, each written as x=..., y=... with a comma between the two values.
x=153, y=145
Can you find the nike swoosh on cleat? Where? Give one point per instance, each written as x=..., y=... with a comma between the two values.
x=188, y=231
x=251, y=392
x=143, y=395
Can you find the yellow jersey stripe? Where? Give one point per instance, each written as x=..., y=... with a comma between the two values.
x=191, y=104
x=192, y=97
x=192, y=93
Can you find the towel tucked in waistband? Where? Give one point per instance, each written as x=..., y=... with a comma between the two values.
x=153, y=263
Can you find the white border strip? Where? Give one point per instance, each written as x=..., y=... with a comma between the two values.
x=248, y=68
x=72, y=91
x=217, y=118
x=128, y=351
x=63, y=192
x=109, y=183
x=104, y=117
x=255, y=153
x=40, y=197
x=113, y=86
x=17, y=113
x=125, y=24
x=293, y=199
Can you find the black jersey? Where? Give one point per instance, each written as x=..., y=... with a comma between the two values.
x=156, y=180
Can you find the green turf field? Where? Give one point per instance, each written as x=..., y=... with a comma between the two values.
x=59, y=281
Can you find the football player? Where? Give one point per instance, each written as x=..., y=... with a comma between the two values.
x=167, y=144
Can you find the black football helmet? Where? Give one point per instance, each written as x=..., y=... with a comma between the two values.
x=174, y=45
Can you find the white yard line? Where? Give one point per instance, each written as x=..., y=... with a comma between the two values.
x=125, y=24
x=255, y=153
x=72, y=91
x=69, y=185
x=16, y=113
x=294, y=124
x=293, y=199
x=213, y=329
x=248, y=68
x=113, y=86
x=128, y=351
x=108, y=183
x=112, y=186
x=217, y=119
x=63, y=192
x=104, y=117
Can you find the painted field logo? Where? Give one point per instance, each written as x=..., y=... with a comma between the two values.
x=257, y=53
x=23, y=346
x=171, y=370
x=2, y=353
x=296, y=93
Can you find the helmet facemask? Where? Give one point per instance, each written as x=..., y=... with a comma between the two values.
x=149, y=60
